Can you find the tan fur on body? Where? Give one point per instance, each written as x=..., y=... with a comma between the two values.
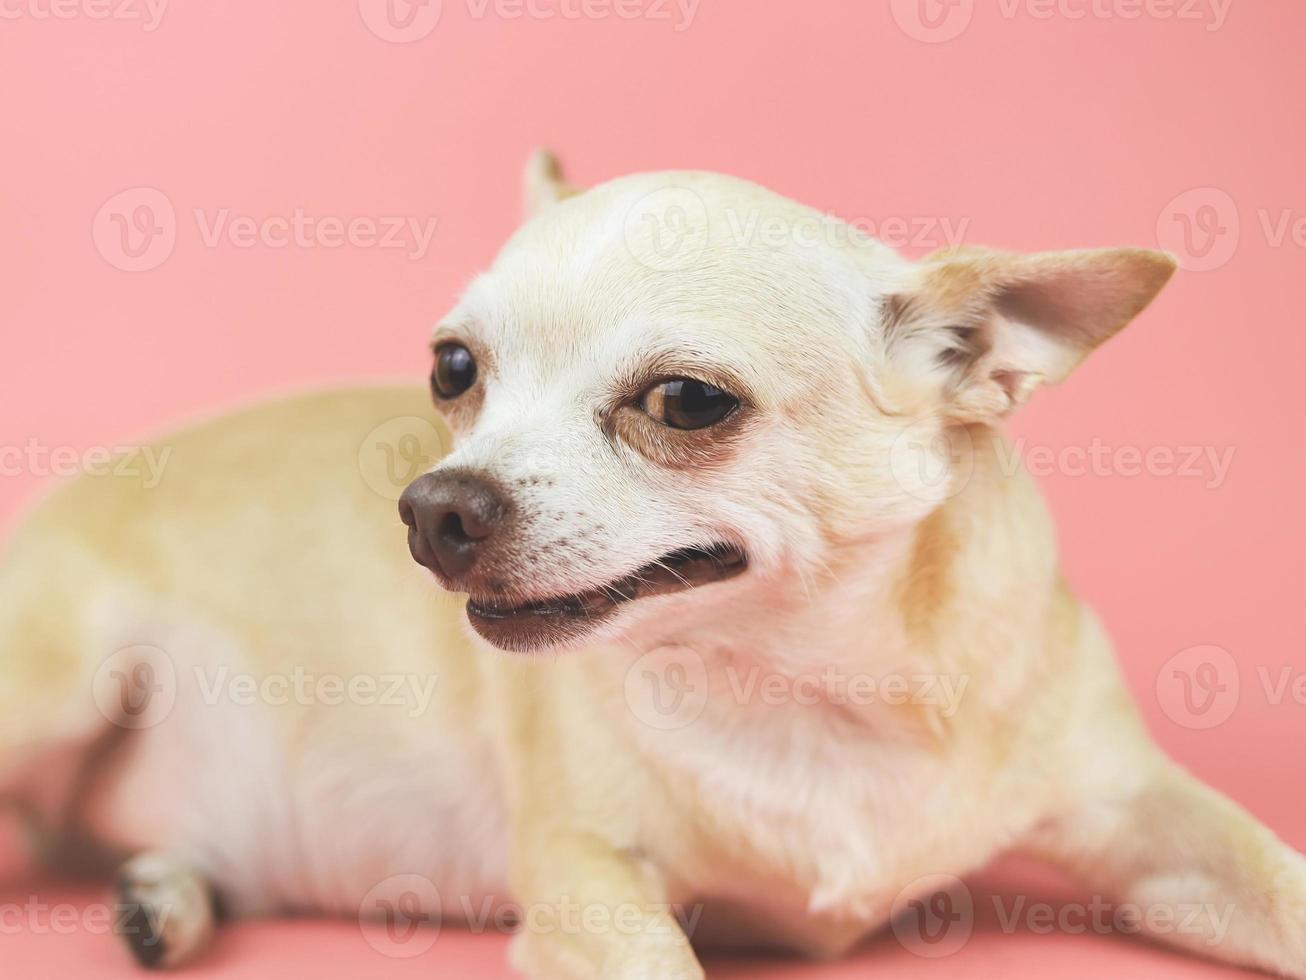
x=548, y=780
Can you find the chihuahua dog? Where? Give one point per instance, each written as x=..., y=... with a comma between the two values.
x=726, y=485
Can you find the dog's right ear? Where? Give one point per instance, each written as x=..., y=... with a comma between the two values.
x=976, y=330
x=543, y=183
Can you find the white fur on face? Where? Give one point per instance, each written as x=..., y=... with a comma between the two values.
x=577, y=306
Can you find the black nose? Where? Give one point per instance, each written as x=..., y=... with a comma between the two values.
x=451, y=520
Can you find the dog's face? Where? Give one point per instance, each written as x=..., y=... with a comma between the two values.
x=661, y=420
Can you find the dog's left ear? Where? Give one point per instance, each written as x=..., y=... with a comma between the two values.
x=543, y=183
x=981, y=329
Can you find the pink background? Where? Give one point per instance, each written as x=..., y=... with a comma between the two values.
x=1031, y=128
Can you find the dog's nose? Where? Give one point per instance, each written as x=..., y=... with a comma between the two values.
x=451, y=518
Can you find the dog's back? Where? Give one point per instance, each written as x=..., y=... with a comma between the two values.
x=245, y=646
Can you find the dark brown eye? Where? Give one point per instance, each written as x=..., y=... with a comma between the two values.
x=455, y=370
x=683, y=403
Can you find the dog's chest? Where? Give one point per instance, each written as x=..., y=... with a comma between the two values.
x=805, y=819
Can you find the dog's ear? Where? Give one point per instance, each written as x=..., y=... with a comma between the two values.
x=981, y=329
x=543, y=183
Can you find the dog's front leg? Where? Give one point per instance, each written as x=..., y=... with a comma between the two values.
x=591, y=911
x=1198, y=871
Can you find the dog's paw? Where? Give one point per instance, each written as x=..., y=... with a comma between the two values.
x=645, y=958
x=163, y=911
x=1288, y=904
x=654, y=971
x=545, y=958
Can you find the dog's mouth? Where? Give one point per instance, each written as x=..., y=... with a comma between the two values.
x=544, y=622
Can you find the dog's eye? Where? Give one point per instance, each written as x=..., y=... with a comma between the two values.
x=684, y=403
x=455, y=370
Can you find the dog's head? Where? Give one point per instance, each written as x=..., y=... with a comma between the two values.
x=673, y=394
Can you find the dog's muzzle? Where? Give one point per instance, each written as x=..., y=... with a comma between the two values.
x=453, y=519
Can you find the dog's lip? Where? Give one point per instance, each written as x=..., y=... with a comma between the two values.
x=684, y=568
